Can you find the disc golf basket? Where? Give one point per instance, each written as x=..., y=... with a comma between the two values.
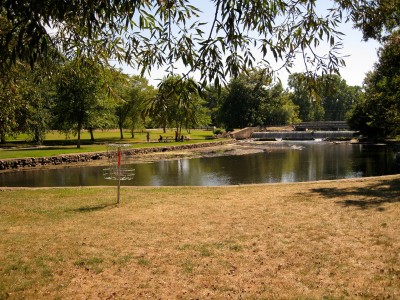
x=118, y=165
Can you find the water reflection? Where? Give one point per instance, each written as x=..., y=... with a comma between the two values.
x=279, y=162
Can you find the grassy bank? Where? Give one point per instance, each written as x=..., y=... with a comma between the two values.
x=56, y=144
x=333, y=240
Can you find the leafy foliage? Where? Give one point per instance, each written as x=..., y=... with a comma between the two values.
x=81, y=101
x=133, y=96
x=326, y=97
x=213, y=97
x=36, y=92
x=254, y=100
x=179, y=103
x=376, y=19
x=167, y=33
x=162, y=33
x=304, y=93
x=25, y=102
x=241, y=107
x=379, y=113
x=337, y=97
x=10, y=102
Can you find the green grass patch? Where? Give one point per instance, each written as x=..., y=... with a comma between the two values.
x=188, y=266
x=91, y=263
x=122, y=260
x=142, y=261
x=56, y=144
x=48, y=151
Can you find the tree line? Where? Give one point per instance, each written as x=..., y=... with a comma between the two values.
x=83, y=95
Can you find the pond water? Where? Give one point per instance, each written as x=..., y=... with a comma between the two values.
x=277, y=162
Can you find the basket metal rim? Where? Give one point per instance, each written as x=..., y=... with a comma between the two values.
x=118, y=174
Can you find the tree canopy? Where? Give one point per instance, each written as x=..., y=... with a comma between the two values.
x=163, y=32
x=80, y=99
x=326, y=97
x=376, y=19
x=253, y=99
x=379, y=112
x=178, y=104
x=133, y=98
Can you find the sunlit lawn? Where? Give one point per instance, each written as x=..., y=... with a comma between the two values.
x=56, y=143
x=321, y=240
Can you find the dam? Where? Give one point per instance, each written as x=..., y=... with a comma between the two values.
x=303, y=135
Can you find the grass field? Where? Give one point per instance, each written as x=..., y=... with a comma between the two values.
x=318, y=240
x=57, y=144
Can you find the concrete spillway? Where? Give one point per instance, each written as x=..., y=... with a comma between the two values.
x=302, y=135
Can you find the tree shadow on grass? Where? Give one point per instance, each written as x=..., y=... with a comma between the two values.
x=373, y=196
x=91, y=208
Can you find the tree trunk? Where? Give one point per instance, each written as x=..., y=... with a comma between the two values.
x=179, y=127
x=121, y=131
x=180, y=133
x=78, y=144
x=91, y=135
x=37, y=137
x=132, y=133
x=2, y=138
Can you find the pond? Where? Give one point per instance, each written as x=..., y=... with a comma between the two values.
x=275, y=162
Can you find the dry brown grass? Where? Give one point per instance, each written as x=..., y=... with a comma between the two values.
x=333, y=240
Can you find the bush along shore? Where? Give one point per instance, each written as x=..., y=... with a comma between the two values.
x=32, y=162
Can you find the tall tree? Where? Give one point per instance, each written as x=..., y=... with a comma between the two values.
x=25, y=101
x=304, y=94
x=133, y=99
x=279, y=108
x=379, y=113
x=326, y=97
x=253, y=99
x=213, y=97
x=121, y=88
x=36, y=91
x=337, y=97
x=179, y=103
x=159, y=108
x=10, y=102
x=81, y=100
x=242, y=105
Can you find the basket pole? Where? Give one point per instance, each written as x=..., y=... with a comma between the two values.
x=119, y=176
x=117, y=169
x=119, y=188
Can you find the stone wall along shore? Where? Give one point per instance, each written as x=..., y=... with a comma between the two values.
x=32, y=162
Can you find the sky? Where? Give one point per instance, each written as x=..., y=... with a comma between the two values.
x=360, y=55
